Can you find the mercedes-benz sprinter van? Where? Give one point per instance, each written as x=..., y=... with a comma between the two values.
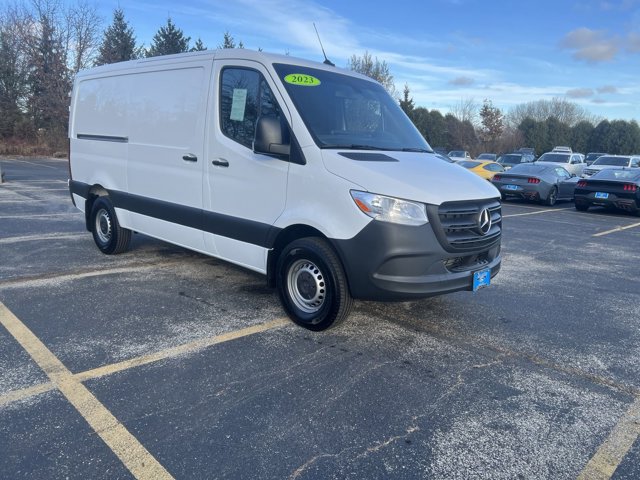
x=307, y=173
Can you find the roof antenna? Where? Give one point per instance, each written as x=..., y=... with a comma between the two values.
x=326, y=60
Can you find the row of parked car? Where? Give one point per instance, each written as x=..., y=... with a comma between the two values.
x=611, y=181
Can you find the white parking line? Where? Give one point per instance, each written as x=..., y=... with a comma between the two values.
x=617, y=229
x=30, y=163
x=18, y=188
x=536, y=212
x=44, y=236
x=45, y=215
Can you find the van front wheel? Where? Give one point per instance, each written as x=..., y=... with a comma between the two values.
x=109, y=236
x=312, y=284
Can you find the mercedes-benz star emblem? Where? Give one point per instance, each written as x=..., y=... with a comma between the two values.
x=484, y=222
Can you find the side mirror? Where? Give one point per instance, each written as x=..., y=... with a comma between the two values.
x=272, y=136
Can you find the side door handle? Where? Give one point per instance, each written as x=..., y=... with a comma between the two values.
x=220, y=162
x=189, y=157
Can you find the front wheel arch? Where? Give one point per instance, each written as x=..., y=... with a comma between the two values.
x=285, y=237
x=312, y=284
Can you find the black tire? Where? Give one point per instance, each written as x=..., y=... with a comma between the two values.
x=312, y=284
x=109, y=236
x=582, y=207
x=552, y=198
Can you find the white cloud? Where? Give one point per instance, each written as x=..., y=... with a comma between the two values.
x=461, y=81
x=607, y=89
x=633, y=42
x=590, y=45
x=580, y=93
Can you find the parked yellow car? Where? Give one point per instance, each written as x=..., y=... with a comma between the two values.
x=485, y=169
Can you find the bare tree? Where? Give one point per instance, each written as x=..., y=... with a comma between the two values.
x=84, y=26
x=466, y=110
x=374, y=68
x=563, y=110
x=14, y=71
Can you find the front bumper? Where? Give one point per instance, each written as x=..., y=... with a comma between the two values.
x=388, y=262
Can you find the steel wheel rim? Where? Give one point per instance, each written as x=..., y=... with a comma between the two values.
x=103, y=226
x=306, y=286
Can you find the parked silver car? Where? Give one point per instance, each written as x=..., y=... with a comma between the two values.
x=611, y=161
x=457, y=155
x=572, y=162
x=542, y=182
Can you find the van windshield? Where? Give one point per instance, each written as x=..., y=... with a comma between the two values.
x=346, y=112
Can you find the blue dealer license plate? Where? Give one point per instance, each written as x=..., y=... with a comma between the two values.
x=602, y=195
x=481, y=279
x=510, y=187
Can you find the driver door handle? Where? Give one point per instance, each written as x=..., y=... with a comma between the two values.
x=220, y=162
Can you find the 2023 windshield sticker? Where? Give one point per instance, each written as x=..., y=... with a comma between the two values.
x=302, y=79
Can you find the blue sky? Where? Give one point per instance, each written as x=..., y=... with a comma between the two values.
x=447, y=51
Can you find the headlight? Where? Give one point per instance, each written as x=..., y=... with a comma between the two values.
x=389, y=209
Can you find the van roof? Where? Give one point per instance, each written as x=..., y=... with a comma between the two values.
x=225, y=54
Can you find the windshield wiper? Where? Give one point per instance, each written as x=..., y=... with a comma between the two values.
x=354, y=146
x=419, y=150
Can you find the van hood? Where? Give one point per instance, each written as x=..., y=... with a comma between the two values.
x=422, y=177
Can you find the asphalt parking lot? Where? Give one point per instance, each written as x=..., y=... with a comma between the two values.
x=162, y=363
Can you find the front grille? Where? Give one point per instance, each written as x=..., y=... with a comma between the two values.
x=457, y=225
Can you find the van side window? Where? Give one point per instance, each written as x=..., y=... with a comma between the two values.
x=244, y=96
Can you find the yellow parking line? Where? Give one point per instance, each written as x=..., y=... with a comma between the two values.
x=617, y=229
x=179, y=350
x=611, y=453
x=172, y=352
x=128, y=449
x=23, y=393
x=536, y=212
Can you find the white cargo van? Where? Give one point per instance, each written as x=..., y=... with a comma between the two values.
x=307, y=173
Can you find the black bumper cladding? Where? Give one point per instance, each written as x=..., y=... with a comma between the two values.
x=397, y=262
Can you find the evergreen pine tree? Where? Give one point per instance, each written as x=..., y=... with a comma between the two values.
x=49, y=83
x=406, y=103
x=119, y=43
x=229, y=42
x=168, y=40
x=198, y=47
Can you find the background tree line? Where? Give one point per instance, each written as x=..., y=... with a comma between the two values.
x=44, y=43
x=541, y=125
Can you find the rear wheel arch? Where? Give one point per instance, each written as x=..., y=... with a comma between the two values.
x=95, y=192
x=107, y=233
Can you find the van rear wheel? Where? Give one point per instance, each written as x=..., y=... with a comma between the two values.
x=109, y=236
x=312, y=284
